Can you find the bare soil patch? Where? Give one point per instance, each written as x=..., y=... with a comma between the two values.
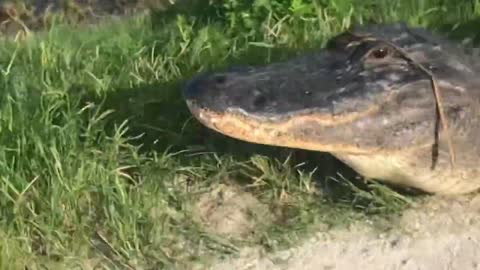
x=230, y=212
x=441, y=233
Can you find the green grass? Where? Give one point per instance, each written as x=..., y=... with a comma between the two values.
x=101, y=162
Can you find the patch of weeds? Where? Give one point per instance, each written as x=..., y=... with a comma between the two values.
x=300, y=207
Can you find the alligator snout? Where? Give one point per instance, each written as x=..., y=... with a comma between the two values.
x=230, y=90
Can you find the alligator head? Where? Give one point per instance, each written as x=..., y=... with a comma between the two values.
x=363, y=98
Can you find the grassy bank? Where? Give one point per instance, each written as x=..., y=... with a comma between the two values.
x=102, y=164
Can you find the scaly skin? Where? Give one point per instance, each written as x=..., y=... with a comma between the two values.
x=363, y=102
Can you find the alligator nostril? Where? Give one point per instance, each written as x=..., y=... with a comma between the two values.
x=200, y=85
x=194, y=88
x=220, y=79
x=259, y=101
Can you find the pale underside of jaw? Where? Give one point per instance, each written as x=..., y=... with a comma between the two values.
x=280, y=134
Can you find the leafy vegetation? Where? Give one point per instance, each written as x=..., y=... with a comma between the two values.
x=103, y=166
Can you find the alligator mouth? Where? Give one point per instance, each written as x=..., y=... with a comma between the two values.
x=286, y=132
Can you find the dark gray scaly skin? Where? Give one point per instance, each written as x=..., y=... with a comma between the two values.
x=361, y=101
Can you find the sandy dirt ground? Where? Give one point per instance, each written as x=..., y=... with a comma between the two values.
x=442, y=233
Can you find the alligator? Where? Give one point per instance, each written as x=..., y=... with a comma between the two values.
x=370, y=96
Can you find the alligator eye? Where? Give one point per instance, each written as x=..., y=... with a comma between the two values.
x=379, y=53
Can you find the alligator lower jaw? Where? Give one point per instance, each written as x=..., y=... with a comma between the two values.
x=250, y=130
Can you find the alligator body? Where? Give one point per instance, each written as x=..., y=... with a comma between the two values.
x=364, y=99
